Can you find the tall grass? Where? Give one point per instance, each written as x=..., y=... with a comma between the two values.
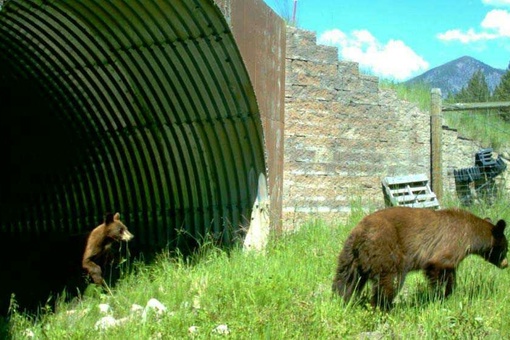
x=284, y=293
x=484, y=126
x=487, y=127
x=418, y=93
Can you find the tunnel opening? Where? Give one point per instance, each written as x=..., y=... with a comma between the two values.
x=145, y=108
x=42, y=235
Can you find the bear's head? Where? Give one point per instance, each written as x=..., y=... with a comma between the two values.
x=497, y=253
x=115, y=229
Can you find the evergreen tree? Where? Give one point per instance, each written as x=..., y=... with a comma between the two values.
x=450, y=98
x=462, y=96
x=475, y=91
x=502, y=93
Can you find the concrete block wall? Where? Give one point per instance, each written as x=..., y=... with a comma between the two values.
x=343, y=135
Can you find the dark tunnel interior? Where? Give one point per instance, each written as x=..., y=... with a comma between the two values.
x=38, y=152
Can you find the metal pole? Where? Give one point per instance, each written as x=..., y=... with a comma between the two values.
x=294, y=13
x=436, y=131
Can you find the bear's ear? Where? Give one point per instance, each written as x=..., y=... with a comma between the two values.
x=108, y=218
x=116, y=217
x=488, y=219
x=499, y=229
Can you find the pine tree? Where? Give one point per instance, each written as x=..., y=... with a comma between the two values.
x=502, y=93
x=475, y=91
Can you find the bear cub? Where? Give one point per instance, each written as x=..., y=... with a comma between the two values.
x=388, y=244
x=99, y=243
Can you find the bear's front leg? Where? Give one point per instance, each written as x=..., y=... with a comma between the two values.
x=94, y=271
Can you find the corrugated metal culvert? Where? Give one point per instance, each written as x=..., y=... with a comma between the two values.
x=144, y=107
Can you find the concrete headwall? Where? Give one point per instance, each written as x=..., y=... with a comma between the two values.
x=260, y=38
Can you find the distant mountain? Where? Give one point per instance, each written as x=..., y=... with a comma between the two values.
x=454, y=75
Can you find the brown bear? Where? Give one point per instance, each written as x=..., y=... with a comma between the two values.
x=388, y=244
x=99, y=243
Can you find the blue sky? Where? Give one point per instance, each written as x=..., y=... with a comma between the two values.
x=400, y=39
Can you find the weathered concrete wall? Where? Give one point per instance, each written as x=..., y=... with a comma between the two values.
x=343, y=135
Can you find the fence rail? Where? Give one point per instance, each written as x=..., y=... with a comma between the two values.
x=474, y=106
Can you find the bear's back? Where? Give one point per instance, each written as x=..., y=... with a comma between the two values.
x=423, y=235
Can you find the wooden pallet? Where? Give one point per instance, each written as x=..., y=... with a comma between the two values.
x=409, y=191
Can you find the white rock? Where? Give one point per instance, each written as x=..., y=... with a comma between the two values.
x=105, y=323
x=193, y=329
x=105, y=308
x=28, y=333
x=222, y=329
x=156, y=305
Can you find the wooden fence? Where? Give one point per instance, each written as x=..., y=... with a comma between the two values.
x=436, y=122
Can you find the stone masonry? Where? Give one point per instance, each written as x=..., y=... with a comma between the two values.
x=343, y=135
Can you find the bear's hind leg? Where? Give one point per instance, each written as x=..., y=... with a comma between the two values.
x=349, y=282
x=362, y=280
x=384, y=291
x=442, y=280
x=354, y=287
x=449, y=279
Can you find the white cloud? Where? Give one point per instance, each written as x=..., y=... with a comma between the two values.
x=496, y=24
x=465, y=37
x=393, y=60
x=496, y=3
x=499, y=21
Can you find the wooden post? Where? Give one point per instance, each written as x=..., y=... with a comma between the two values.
x=436, y=132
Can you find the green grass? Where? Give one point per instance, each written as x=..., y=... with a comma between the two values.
x=485, y=126
x=282, y=294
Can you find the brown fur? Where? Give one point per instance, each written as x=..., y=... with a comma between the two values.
x=99, y=243
x=390, y=243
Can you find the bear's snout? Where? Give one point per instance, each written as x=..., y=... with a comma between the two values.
x=126, y=236
x=503, y=263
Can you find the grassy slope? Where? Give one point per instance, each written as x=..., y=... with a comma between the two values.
x=284, y=294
